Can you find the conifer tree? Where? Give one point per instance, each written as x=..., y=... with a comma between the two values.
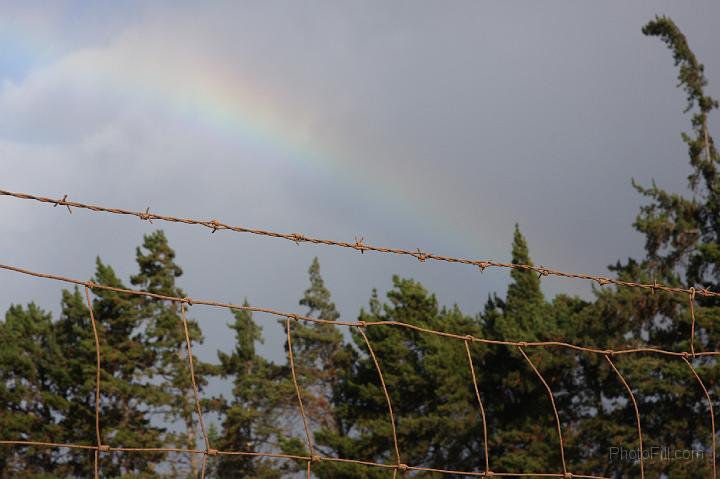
x=681, y=243
x=522, y=434
x=428, y=381
x=30, y=363
x=250, y=420
x=165, y=333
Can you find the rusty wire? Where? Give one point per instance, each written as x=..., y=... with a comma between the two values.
x=196, y=393
x=291, y=360
x=358, y=245
x=637, y=412
x=313, y=457
x=100, y=446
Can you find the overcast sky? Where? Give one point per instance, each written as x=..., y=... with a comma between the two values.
x=435, y=125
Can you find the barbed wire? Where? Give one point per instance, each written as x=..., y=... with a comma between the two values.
x=313, y=457
x=358, y=245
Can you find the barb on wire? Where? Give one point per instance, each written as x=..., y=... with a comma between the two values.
x=358, y=245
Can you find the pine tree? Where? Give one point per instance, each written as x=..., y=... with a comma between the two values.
x=522, y=433
x=681, y=241
x=165, y=333
x=316, y=348
x=250, y=419
x=30, y=403
x=428, y=380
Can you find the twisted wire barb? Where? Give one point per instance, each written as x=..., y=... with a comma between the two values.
x=555, y=411
x=710, y=408
x=637, y=412
x=358, y=245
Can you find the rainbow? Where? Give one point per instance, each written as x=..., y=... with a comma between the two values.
x=206, y=94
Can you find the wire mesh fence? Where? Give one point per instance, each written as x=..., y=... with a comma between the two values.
x=100, y=446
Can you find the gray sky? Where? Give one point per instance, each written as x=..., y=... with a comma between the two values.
x=435, y=125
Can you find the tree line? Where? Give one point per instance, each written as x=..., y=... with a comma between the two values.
x=47, y=364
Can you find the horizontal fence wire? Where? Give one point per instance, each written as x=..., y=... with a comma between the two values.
x=360, y=325
x=422, y=256
x=358, y=245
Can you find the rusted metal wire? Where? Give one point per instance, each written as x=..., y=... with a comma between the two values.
x=710, y=408
x=555, y=411
x=294, y=316
x=100, y=446
x=291, y=360
x=357, y=245
x=196, y=392
x=637, y=412
x=399, y=465
x=482, y=409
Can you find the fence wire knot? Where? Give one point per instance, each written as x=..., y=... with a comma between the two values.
x=315, y=458
x=542, y=271
x=215, y=225
x=104, y=448
x=90, y=284
x=187, y=300
x=298, y=238
x=568, y=475
x=146, y=216
x=212, y=452
x=420, y=255
x=469, y=337
x=482, y=265
x=359, y=245
x=402, y=467
x=361, y=324
x=63, y=201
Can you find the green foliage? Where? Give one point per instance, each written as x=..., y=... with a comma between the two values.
x=250, y=417
x=47, y=366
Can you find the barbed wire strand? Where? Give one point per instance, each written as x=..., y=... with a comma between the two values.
x=400, y=466
x=196, y=392
x=710, y=408
x=291, y=358
x=97, y=384
x=357, y=245
x=557, y=416
x=482, y=409
x=636, y=410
